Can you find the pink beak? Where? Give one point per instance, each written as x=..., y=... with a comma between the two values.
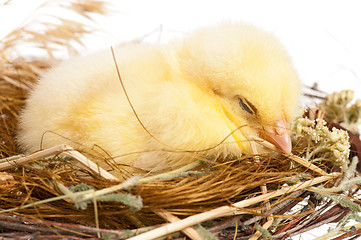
x=278, y=135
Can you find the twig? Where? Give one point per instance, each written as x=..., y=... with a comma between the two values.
x=332, y=212
x=298, y=224
x=303, y=229
x=226, y=224
x=66, y=228
x=314, y=96
x=350, y=233
x=290, y=203
x=227, y=210
x=284, y=206
x=297, y=220
x=258, y=234
x=189, y=231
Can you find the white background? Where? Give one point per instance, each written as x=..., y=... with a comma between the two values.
x=323, y=36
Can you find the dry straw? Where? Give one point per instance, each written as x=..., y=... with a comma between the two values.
x=46, y=195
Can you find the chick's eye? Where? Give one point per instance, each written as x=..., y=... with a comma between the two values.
x=247, y=106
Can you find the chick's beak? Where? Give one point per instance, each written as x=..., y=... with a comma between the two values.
x=278, y=135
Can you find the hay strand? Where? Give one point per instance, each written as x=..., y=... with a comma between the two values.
x=307, y=164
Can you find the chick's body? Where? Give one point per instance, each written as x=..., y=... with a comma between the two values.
x=190, y=95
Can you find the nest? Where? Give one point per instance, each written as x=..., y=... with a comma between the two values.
x=45, y=195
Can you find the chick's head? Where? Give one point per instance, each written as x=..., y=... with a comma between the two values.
x=249, y=72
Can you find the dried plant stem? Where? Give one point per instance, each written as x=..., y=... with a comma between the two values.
x=301, y=228
x=48, y=200
x=11, y=158
x=295, y=158
x=35, y=156
x=96, y=216
x=257, y=160
x=258, y=234
x=336, y=232
x=15, y=83
x=189, y=231
x=227, y=210
x=89, y=164
x=269, y=222
x=307, y=164
x=35, y=225
x=316, y=113
x=349, y=234
x=57, y=150
x=264, y=143
x=264, y=191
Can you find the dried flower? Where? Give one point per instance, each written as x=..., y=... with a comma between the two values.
x=338, y=109
x=323, y=144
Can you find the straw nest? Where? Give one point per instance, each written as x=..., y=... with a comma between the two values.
x=45, y=195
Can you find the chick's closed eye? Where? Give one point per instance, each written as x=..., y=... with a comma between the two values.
x=171, y=87
x=247, y=106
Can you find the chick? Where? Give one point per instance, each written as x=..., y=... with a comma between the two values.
x=204, y=96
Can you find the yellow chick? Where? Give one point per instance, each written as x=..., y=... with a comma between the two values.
x=203, y=96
